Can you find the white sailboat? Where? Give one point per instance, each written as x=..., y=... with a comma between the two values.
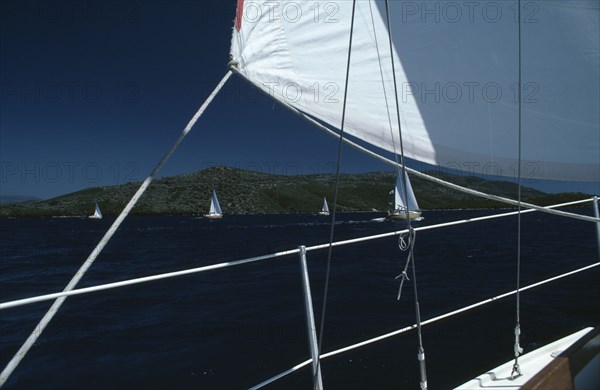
x=215, y=211
x=324, y=208
x=401, y=210
x=97, y=213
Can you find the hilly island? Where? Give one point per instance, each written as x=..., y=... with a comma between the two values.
x=248, y=192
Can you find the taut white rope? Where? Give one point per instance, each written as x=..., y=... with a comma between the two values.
x=14, y=362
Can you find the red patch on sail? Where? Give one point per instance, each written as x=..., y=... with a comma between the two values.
x=239, y=14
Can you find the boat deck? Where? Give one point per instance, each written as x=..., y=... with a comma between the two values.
x=531, y=364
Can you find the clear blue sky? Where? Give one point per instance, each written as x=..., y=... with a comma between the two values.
x=93, y=93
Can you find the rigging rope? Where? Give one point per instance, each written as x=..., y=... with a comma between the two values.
x=14, y=362
x=335, y=195
x=516, y=370
x=403, y=247
x=398, y=164
x=403, y=244
x=412, y=234
x=405, y=190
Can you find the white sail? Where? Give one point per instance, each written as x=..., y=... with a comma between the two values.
x=325, y=207
x=456, y=67
x=97, y=213
x=215, y=208
x=399, y=195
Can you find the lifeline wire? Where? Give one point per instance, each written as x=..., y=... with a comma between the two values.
x=168, y=275
x=426, y=322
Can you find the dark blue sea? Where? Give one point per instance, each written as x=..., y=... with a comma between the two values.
x=233, y=328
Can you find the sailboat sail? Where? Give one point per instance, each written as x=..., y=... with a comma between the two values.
x=325, y=207
x=399, y=196
x=457, y=90
x=97, y=213
x=215, y=208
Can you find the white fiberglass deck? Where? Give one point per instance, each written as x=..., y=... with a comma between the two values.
x=530, y=363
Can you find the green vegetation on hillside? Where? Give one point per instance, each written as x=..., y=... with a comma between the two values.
x=246, y=192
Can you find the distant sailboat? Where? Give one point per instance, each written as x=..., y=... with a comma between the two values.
x=324, y=208
x=215, y=209
x=97, y=213
x=399, y=211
